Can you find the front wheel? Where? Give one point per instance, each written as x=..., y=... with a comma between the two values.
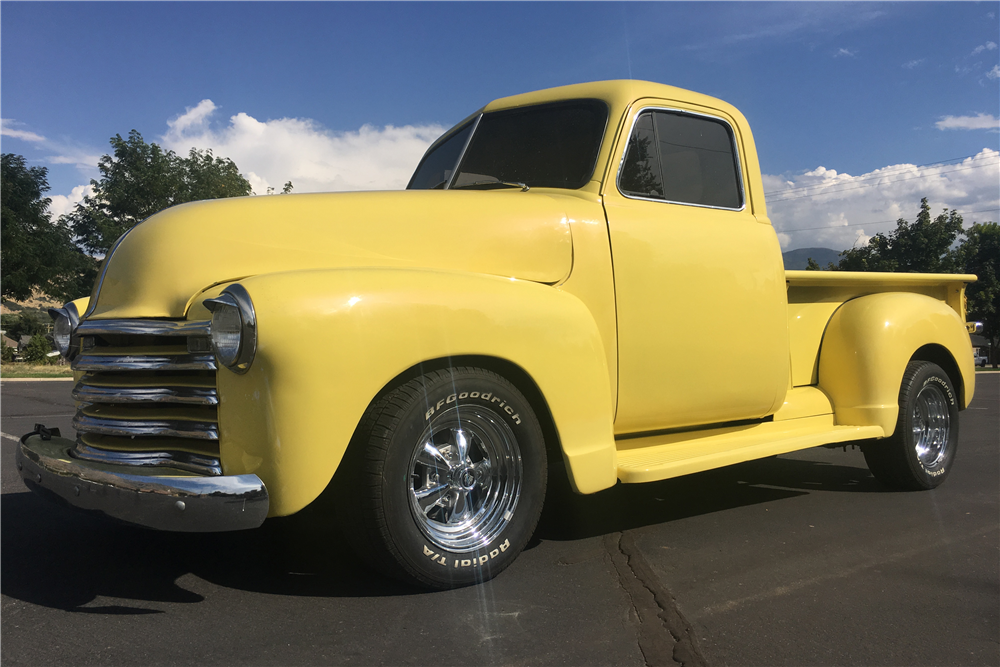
x=920, y=452
x=445, y=478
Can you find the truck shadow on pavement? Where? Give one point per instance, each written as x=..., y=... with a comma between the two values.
x=569, y=516
x=65, y=559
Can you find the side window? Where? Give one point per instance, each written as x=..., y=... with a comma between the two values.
x=641, y=171
x=682, y=158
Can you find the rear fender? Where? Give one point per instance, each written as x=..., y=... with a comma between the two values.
x=328, y=341
x=868, y=343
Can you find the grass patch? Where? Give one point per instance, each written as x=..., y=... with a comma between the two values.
x=23, y=370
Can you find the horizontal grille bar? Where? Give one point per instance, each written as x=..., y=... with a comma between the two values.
x=145, y=427
x=127, y=362
x=204, y=465
x=144, y=327
x=179, y=395
x=147, y=396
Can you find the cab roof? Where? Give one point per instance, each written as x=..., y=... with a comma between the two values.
x=618, y=93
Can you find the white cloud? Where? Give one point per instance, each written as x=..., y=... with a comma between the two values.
x=63, y=204
x=315, y=159
x=7, y=130
x=980, y=121
x=988, y=46
x=192, y=116
x=83, y=159
x=79, y=158
x=994, y=73
x=845, y=52
x=824, y=208
x=914, y=63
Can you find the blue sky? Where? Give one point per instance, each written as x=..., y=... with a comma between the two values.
x=347, y=95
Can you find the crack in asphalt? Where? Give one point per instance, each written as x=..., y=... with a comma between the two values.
x=655, y=607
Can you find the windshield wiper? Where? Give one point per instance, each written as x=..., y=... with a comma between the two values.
x=510, y=184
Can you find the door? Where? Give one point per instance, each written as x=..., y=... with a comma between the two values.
x=699, y=282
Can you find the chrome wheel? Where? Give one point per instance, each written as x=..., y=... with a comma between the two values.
x=921, y=450
x=931, y=425
x=465, y=478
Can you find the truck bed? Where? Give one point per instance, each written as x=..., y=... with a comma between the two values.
x=813, y=297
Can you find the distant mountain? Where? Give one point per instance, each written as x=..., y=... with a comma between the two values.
x=796, y=260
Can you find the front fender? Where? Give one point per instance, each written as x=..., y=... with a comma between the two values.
x=329, y=340
x=868, y=343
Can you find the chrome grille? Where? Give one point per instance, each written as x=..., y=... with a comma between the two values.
x=147, y=396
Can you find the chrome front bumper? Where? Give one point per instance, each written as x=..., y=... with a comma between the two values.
x=186, y=503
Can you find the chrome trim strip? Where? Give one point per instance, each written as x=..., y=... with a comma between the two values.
x=128, y=362
x=204, y=465
x=188, y=504
x=176, y=395
x=450, y=132
x=684, y=112
x=145, y=327
x=199, y=430
x=461, y=153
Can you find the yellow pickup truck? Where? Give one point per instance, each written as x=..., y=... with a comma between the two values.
x=552, y=286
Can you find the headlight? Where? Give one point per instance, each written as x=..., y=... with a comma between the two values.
x=234, y=328
x=66, y=319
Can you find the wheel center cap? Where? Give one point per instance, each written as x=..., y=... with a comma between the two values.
x=466, y=479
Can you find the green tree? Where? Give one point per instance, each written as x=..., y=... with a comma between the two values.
x=812, y=265
x=37, y=253
x=141, y=179
x=25, y=323
x=980, y=254
x=921, y=247
x=37, y=349
x=6, y=352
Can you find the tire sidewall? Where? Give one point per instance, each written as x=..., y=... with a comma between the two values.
x=423, y=558
x=930, y=476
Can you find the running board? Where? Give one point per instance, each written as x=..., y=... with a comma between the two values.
x=656, y=457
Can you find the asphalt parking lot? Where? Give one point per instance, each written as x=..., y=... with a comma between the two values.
x=799, y=560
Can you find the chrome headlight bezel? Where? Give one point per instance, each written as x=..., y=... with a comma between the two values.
x=65, y=320
x=234, y=300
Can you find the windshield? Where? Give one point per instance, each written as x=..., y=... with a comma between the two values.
x=435, y=169
x=547, y=145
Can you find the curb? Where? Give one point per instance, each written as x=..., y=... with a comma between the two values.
x=2, y=379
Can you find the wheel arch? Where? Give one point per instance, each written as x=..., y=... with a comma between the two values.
x=505, y=368
x=940, y=355
x=328, y=342
x=868, y=343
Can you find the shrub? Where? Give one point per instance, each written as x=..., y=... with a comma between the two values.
x=35, y=351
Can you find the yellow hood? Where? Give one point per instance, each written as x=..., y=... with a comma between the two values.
x=162, y=264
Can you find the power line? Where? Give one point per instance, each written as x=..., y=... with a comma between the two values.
x=863, y=224
x=868, y=185
x=896, y=169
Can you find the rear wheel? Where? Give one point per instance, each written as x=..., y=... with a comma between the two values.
x=920, y=452
x=445, y=479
